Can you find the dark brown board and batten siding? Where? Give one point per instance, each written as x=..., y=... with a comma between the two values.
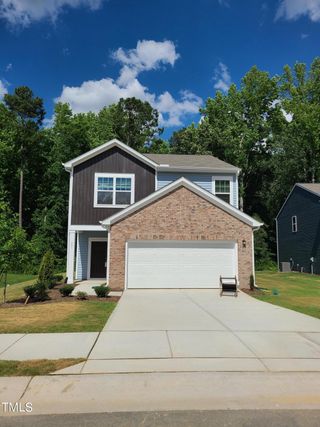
x=114, y=160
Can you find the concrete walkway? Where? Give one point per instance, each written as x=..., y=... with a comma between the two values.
x=46, y=346
x=88, y=285
x=197, y=330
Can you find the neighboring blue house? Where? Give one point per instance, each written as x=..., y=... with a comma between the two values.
x=298, y=230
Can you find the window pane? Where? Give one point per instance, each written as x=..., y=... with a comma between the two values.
x=105, y=183
x=123, y=198
x=222, y=186
x=123, y=184
x=224, y=197
x=105, y=197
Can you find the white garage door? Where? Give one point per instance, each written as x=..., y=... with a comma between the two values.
x=172, y=264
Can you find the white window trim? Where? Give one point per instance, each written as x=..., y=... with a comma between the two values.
x=223, y=178
x=294, y=224
x=112, y=175
x=90, y=240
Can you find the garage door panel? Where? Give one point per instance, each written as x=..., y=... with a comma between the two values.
x=168, y=264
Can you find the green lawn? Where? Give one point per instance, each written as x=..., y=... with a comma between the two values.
x=73, y=316
x=9, y=368
x=299, y=292
x=15, y=278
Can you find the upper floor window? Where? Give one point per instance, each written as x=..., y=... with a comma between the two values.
x=294, y=224
x=113, y=190
x=222, y=189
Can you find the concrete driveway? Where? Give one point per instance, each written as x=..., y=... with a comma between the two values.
x=197, y=330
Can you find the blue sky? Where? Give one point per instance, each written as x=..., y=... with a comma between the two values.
x=173, y=53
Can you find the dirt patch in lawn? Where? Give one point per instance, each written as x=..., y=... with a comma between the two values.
x=9, y=368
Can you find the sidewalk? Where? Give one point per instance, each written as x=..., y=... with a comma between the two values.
x=163, y=391
x=46, y=346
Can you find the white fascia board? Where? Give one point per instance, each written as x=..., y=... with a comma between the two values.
x=86, y=228
x=192, y=187
x=104, y=147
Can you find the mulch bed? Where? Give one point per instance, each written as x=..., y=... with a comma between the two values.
x=55, y=296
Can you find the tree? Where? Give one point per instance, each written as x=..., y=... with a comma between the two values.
x=135, y=122
x=187, y=141
x=14, y=248
x=29, y=113
x=68, y=138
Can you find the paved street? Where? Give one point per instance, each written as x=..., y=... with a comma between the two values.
x=243, y=418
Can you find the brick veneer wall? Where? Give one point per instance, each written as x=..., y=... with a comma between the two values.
x=180, y=215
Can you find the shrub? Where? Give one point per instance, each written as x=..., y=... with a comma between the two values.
x=101, y=291
x=30, y=291
x=46, y=271
x=38, y=290
x=82, y=295
x=66, y=290
x=55, y=280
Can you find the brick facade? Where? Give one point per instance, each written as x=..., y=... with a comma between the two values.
x=179, y=215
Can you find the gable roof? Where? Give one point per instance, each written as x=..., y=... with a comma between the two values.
x=190, y=162
x=104, y=147
x=182, y=182
x=310, y=187
x=160, y=162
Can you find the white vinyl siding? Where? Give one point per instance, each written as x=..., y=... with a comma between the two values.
x=179, y=264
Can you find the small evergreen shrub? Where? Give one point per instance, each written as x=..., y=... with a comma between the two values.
x=41, y=291
x=30, y=291
x=66, y=290
x=101, y=291
x=55, y=280
x=46, y=272
x=82, y=295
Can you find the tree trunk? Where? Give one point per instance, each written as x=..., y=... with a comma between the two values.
x=21, y=198
x=5, y=288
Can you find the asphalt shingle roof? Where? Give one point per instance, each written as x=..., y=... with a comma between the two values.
x=190, y=161
x=315, y=188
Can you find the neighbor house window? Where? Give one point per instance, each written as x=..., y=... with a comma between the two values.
x=222, y=189
x=294, y=224
x=113, y=190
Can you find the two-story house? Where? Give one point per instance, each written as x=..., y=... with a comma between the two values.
x=298, y=230
x=156, y=220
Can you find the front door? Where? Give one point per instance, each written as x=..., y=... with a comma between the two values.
x=98, y=261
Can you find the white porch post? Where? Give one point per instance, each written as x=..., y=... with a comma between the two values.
x=70, y=255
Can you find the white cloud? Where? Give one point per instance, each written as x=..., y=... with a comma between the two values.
x=24, y=12
x=93, y=95
x=3, y=89
x=294, y=9
x=9, y=67
x=222, y=77
x=148, y=55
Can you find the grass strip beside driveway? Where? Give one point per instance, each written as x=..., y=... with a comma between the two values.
x=77, y=316
x=296, y=291
x=15, y=368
